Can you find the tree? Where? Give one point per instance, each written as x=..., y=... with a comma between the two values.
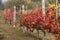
x=17, y=3
x=1, y=5
x=27, y=3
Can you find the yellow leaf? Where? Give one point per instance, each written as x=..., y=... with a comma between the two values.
x=51, y=5
x=59, y=5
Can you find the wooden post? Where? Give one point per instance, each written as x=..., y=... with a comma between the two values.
x=14, y=17
x=43, y=8
x=38, y=37
x=22, y=8
x=43, y=14
x=57, y=10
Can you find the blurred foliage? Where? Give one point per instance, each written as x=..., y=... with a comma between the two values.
x=28, y=3
x=17, y=3
x=59, y=1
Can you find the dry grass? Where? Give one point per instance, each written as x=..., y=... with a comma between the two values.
x=14, y=33
x=11, y=33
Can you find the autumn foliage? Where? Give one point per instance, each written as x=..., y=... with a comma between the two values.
x=36, y=20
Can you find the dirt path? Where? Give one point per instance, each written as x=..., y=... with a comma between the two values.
x=11, y=33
